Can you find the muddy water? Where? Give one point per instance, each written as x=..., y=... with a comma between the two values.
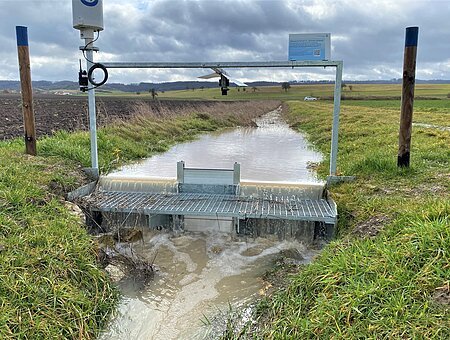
x=200, y=275
x=271, y=152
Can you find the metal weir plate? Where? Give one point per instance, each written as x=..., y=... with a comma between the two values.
x=198, y=204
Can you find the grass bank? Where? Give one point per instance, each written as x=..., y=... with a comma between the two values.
x=388, y=273
x=50, y=284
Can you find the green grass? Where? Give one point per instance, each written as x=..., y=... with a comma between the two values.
x=50, y=286
x=50, y=283
x=298, y=92
x=380, y=288
x=385, y=286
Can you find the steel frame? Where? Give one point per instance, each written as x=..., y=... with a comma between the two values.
x=262, y=64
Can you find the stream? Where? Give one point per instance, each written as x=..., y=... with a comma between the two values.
x=202, y=275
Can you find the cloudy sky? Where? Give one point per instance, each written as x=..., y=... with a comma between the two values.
x=367, y=35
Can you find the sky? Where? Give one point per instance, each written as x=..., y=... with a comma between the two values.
x=367, y=35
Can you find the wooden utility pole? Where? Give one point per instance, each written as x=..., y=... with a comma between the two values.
x=27, y=91
x=409, y=79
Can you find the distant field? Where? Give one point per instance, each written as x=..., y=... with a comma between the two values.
x=322, y=91
x=300, y=91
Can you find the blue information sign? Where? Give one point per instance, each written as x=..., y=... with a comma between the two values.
x=315, y=46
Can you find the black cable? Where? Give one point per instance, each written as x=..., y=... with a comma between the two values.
x=89, y=43
x=91, y=71
x=94, y=67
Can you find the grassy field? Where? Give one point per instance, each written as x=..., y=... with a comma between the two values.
x=50, y=284
x=298, y=92
x=388, y=273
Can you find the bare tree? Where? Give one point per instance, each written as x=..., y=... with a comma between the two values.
x=153, y=93
x=285, y=86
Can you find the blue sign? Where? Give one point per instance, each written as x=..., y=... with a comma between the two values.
x=90, y=3
x=309, y=46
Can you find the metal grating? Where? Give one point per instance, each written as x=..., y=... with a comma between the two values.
x=200, y=204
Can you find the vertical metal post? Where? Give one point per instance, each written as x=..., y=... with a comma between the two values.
x=236, y=173
x=92, y=111
x=335, y=127
x=27, y=90
x=409, y=79
x=180, y=172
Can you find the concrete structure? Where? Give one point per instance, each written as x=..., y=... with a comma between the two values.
x=213, y=199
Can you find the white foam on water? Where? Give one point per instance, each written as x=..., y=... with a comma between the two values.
x=198, y=275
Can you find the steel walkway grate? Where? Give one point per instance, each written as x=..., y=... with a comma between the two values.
x=197, y=204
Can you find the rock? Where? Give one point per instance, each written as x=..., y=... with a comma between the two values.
x=116, y=274
x=216, y=249
x=254, y=251
x=75, y=210
x=105, y=240
x=128, y=235
x=292, y=253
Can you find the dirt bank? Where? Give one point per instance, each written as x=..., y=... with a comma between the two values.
x=70, y=113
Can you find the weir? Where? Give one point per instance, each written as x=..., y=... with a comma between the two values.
x=202, y=199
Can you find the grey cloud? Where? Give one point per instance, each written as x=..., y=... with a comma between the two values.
x=371, y=44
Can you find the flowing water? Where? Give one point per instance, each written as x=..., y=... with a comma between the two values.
x=199, y=276
x=272, y=152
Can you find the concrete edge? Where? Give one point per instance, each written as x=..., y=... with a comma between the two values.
x=85, y=190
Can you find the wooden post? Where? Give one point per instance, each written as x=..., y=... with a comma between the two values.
x=409, y=79
x=27, y=91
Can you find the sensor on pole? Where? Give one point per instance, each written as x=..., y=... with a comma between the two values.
x=88, y=18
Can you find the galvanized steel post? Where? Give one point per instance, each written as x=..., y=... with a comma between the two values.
x=180, y=172
x=92, y=110
x=236, y=173
x=335, y=127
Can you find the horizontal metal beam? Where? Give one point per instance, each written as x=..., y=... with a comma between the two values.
x=150, y=212
x=214, y=205
x=252, y=64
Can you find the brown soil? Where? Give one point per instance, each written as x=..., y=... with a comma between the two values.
x=370, y=227
x=442, y=295
x=70, y=113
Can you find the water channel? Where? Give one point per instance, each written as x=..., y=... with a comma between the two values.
x=199, y=276
x=271, y=152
